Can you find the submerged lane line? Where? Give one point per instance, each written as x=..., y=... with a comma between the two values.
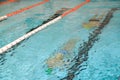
x=12, y=44
x=22, y=10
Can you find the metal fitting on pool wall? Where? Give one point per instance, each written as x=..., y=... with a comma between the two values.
x=3, y=18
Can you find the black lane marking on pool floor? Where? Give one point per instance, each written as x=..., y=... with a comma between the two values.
x=57, y=14
x=84, y=49
x=2, y=59
x=44, y=22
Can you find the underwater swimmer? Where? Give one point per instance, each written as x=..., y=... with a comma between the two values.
x=61, y=55
x=95, y=21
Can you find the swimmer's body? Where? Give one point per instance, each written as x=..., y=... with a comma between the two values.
x=95, y=21
x=65, y=53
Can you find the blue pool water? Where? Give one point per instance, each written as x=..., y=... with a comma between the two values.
x=27, y=61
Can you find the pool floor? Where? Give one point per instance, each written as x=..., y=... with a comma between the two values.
x=52, y=53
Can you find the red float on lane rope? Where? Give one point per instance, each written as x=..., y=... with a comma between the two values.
x=75, y=8
x=6, y=2
x=26, y=8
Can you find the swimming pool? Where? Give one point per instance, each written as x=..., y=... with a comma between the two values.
x=27, y=61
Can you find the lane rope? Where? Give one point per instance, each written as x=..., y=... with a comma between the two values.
x=75, y=8
x=22, y=10
x=10, y=45
x=6, y=2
